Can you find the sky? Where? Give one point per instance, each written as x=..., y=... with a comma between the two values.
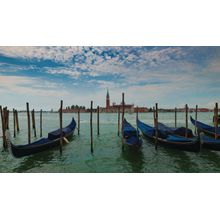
x=171, y=76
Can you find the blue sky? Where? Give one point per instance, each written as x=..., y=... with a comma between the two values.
x=171, y=76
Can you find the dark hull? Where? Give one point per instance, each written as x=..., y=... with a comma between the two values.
x=169, y=140
x=210, y=146
x=130, y=136
x=26, y=151
x=135, y=146
x=43, y=144
x=210, y=143
x=193, y=146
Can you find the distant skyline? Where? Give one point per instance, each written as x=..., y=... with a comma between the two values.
x=171, y=76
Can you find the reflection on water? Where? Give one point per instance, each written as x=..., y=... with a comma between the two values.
x=135, y=159
x=35, y=160
x=211, y=159
x=108, y=154
x=181, y=161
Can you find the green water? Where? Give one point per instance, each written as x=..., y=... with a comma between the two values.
x=108, y=155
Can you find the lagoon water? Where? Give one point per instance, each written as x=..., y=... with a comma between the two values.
x=108, y=155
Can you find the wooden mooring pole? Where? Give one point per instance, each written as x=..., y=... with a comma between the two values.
x=91, y=128
x=29, y=124
x=98, y=121
x=33, y=122
x=137, y=112
x=156, y=125
x=3, y=128
x=78, y=121
x=14, y=122
x=196, y=117
x=5, y=113
x=118, y=120
x=154, y=117
x=7, y=119
x=186, y=112
x=175, y=117
x=216, y=120
x=41, y=123
x=17, y=121
x=61, y=125
x=123, y=109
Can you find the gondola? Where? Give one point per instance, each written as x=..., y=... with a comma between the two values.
x=207, y=129
x=205, y=141
x=169, y=140
x=131, y=136
x=52, y=141
x=207, y=134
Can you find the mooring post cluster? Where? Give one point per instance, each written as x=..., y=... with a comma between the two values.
x=3, y=126
x=29, y=120
x=5, y=113
x=5, y=123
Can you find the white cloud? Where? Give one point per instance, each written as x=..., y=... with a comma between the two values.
x=60, y=54
x=165, y=65
x=104, y=84
x=65, y=54
x=141, y=60
x=64, y=71
x=5, y=67
x=27, y=85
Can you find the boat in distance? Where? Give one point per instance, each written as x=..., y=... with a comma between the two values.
x=131, y=136
x=169, y=140
x=52, y=141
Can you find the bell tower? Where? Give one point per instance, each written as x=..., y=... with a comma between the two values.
x=107, y=100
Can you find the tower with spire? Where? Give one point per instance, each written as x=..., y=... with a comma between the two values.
x=107, y=100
